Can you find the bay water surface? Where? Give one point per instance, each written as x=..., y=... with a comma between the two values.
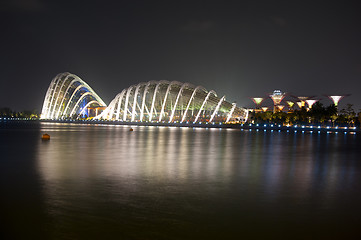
x=106, y=182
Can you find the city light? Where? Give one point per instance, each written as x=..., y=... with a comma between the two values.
x=310, y=102
x=336, y=99
x=257, y=100
x=69, y=97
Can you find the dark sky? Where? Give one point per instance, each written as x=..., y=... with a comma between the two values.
x=240, y=49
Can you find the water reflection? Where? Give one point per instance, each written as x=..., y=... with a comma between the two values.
x=257, y=160
x=157, y=171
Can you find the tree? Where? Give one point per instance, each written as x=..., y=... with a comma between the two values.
x=349, y=114
x=6, y=112
x=300, y=116
x=331, y=113
x=318, y=113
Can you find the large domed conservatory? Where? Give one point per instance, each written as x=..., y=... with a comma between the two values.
x=154, y=101
x=165, y=101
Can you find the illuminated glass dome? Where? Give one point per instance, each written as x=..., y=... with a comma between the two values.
x=164, y=101
x=69, y=97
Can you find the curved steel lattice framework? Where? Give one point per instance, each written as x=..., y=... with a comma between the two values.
x=164, y=101
x=69, y=97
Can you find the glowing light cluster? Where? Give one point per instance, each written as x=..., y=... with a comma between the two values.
x=164, y=101
x=264, y=109
x=301, y=104
x=277, y=97
x=69, y=97
x=310, y=102
x=290, y=104
x=281, y=107
x=336, y=99
x=257, y=100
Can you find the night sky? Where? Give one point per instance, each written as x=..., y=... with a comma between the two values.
x=240, y=49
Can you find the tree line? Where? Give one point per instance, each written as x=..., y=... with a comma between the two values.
x=318, y=115
x=6, y=112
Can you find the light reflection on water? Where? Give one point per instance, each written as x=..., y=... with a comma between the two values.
x=185, y=154
x=180, y=177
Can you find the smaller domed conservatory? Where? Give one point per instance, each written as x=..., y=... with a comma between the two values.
x=69, y=97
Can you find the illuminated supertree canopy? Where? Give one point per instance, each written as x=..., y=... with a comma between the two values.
x=336, y=99
x=303, y=100
x=310, y=102
x=277, y=96
x=281, y=107
x=257, y=100
x=290, y=104
x=300, y=104
x=264, y=109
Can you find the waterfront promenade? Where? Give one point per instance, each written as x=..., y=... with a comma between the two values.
x=244, y=126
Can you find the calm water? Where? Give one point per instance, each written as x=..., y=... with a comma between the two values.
x=102, y=182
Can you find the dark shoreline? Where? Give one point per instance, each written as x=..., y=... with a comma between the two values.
x=257, y=127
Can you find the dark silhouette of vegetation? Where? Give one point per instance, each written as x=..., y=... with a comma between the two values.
x=6, y=112
x=317, y=115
